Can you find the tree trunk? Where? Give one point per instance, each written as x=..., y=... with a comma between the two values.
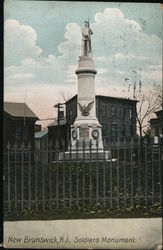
x=141, y=134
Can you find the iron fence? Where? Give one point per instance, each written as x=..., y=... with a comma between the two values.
x=40, y=181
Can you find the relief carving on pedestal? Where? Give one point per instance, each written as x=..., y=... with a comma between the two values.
x=85, y=110
x=84, y=132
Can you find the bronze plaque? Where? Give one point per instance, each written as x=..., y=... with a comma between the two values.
x=84, y=132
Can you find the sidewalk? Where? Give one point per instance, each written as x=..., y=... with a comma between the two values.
x=142, y=233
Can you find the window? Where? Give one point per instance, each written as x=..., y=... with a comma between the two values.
x=130, y=113
x=123, y=130
x=25, y=133
x=104, y=129
x=18, y=133
x=122, y=112
x=103, y=109
x=113, y=111
x=114, y=129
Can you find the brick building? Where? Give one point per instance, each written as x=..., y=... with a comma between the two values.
x=116, y=115
x=54, y=132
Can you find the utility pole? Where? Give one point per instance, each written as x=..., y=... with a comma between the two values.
x=59, y=106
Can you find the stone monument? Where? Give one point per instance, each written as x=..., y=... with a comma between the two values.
x=86, y=126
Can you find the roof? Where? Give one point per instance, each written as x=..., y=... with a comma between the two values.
x=159, y=119
x=19, y=110
x=108, y=97
x=159, y=112
x=156, y=121
x=117, y=98
x=40, y=134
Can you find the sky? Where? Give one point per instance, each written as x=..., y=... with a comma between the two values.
x=42, y=42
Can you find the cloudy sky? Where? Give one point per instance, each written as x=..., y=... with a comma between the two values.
x=42, y=45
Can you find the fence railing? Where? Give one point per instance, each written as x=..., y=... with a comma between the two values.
x=41, y=181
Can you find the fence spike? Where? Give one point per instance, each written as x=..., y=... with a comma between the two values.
x=15, y=145
x=70, y=145
x=43, y=145
x=29, y=145
x=63, y=143
x=57, y=144
x=77, y=143
x=90, y=143
x=145, y=141
x=50, y=144
x=8, y=145
x=104, y=143
x=124, y=142
x=83, y=143
x=118, y=142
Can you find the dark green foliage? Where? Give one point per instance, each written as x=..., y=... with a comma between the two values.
x=78, y=190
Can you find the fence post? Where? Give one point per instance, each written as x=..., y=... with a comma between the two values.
x=9, y=191
x=146, y=173
x=36, y=163
x=63, y=177
x=83, y=172
x=90, y=173
x=70, y=166
x=96, y=172
x=22, y=183
x=104, y=171
x=77, y=173
x=111, y=191
x=57, y=154
x=29, y=152
x=124, y=172
x=139, y=145
x=43, y=177
x=132, y=202
x=160, y=173
x=118, y=173
x=50, y=175
x=152, y=174
x=15, y=150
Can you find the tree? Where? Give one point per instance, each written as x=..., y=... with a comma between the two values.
x=147, y=105
x=159, y=92
x=149, y=100
x=65, y=96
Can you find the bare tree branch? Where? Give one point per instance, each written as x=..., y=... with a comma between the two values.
x=147, y=105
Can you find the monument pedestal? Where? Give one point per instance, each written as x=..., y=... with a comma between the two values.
x=86, y=127
x=86, y=155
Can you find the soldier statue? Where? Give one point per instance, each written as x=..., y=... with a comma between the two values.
x=86, y=40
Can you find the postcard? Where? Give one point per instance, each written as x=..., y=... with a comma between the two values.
x=83, y=125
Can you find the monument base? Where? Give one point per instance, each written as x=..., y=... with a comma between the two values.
x=80, y=155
